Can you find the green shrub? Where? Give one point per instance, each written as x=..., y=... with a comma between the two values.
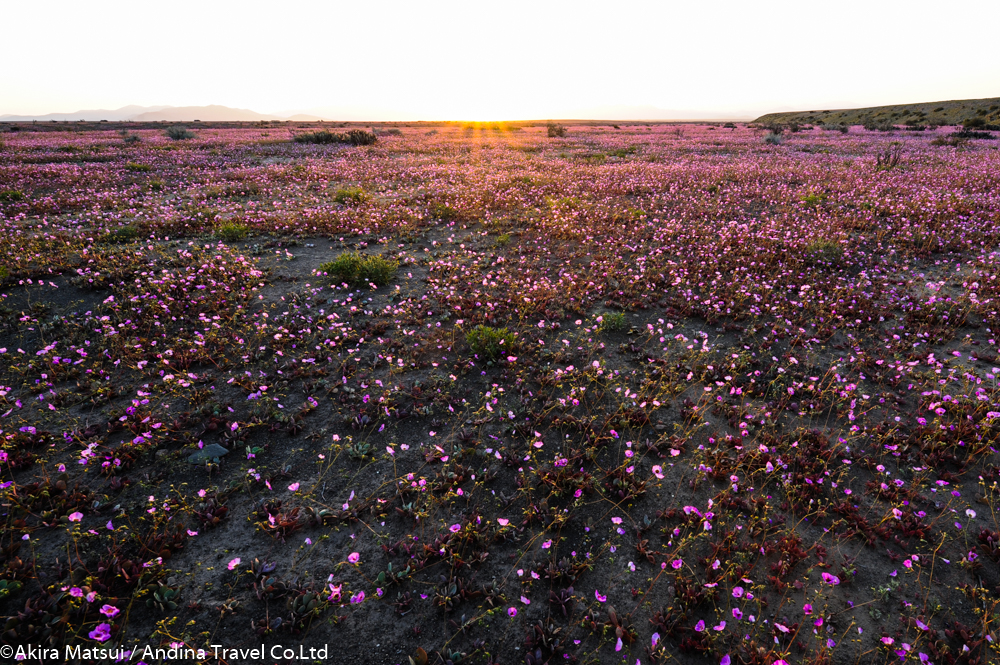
x=556, y=131
x=356, y=268
x=350, y=195
x=773, y=139
x=11, y=195
x=4, y=273
x=879, y=125
x=129, y=138
x=824, y=249
x=322, y=137
x=489, y=342
x=179, y=133
x=122, y=234
x=613, y=322
x=232, y=231
x=135, y=166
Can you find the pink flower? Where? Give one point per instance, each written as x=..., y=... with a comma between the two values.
x=598, y=596
x=110, y=611
x=658, y=471
x=725, y=660
x=503, y=521
x=700, y=626
x=455, y=528
x=737, y=613
x=737, y=592
x=677, y=563
x=525, y=600
x=358, y=598
x=547, y=544
x=353, y=557
x=807, y=609
x=721, y=627
x=235, y=562
x=512, y=612
x=102, y=633
x=294, y=487
x=832, y=580
x=618, y=646
x=335, y=592
x=76, y=592
x=76, y=517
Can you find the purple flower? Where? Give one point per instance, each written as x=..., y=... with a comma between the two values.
x=110, y=611
x=102, y=633
x=358, y=597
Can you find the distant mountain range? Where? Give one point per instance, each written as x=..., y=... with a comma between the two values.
x=213, y=113
x=216, y=113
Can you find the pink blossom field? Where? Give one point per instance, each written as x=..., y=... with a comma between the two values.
x=663, y=393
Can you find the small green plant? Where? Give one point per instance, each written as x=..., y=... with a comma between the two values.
x=231, y=231
x=122, y=234
x=141, y=168
x=503, y=239
x=4, y=273
x=355, y=268
x=156, y=185
x=813, y=198
x=490, y=342
x=11, y=195
x=350, y=196
x=164, y=598
x=773, y=139
x=613, y=322
x=8, y=587
x=824, y=249
x=556, y=131
x=179, y=133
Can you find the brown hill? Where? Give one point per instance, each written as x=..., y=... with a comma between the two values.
x=954, y=112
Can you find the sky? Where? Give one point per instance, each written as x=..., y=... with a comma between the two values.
x=469, y=60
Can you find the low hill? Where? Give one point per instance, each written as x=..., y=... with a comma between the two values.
x=953, y=112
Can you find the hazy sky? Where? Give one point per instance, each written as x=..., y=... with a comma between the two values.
x=495, y=60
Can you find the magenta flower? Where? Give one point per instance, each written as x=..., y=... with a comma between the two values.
x=102, y=633
x=455, y=528
x=235, y=562
x=358, y=597
x=832, y=580
x=700, y=626
x=512, y=612
x=75, y=516
x=597, y=594
x=353, y=557
x=110, y=611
